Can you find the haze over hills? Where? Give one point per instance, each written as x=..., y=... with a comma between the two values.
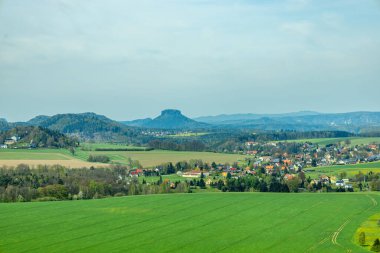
x=231, y=118
x=302, y=121
x=94, y=126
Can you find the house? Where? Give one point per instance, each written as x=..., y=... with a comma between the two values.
x=372, y=146
x=324, y=179
x=348, y=186
x=250, y=143
x=289, y=176
x=4, y=146
x=265, y=158
x=252, y=152
x=195, y=174
x=9, y=141
x=269, y=168
x=340, y=183
x=15, y=138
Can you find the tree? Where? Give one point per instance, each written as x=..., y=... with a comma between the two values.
x=202, y=184
x=362, y=238
x=376, y=245
x=72, y=151
x=314, y=162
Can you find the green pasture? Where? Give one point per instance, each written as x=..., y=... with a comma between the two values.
x=200, y=222
x=350, y=169
x=354, y=140
x=34, y=154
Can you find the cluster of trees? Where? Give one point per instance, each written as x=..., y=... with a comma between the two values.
x=98, y=159
x=39, y=137
x=375, y=246
x=177, y=144
x=258, y=184
x=60, y=183
x=232, y=140
x=369, y=180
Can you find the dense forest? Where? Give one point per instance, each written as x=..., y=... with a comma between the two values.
x=38, y=137
x=232, y=141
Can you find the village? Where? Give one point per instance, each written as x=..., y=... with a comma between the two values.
x=285, y=161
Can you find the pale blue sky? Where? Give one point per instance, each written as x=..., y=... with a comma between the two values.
x=131, y=59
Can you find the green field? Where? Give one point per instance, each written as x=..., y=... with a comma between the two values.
x=34, y=154
x=326, y=141
x=351, y=169
x=205, y=222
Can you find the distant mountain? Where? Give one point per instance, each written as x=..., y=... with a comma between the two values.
x=233, y=118
x=83, y=125
x=303, y=121
x=169, y=119
x=4, y=125
x=38, y=120
x=137, y=122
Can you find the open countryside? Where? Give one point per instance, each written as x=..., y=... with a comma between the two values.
x=197, y=126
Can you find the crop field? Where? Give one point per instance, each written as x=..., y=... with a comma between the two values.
x=351, y=169
x=12, y=157
x=200, y=222
x=156, y=157
x=354, y=140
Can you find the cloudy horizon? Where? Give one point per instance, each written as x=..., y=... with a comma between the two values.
x=132, y=59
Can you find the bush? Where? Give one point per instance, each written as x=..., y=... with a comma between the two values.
x=376, y=245
x=98, y=159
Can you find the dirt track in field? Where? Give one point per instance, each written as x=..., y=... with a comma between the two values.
x=66, y=163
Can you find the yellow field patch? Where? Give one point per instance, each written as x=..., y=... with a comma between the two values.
x=371, y=228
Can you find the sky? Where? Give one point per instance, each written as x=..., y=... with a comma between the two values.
x=131, y=59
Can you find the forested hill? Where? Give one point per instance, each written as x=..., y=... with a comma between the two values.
x=83, y=125
x=37, y=137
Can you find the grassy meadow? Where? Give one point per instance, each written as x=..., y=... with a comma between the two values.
x=350, y=169
x=204, y=222
x=354, y=140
